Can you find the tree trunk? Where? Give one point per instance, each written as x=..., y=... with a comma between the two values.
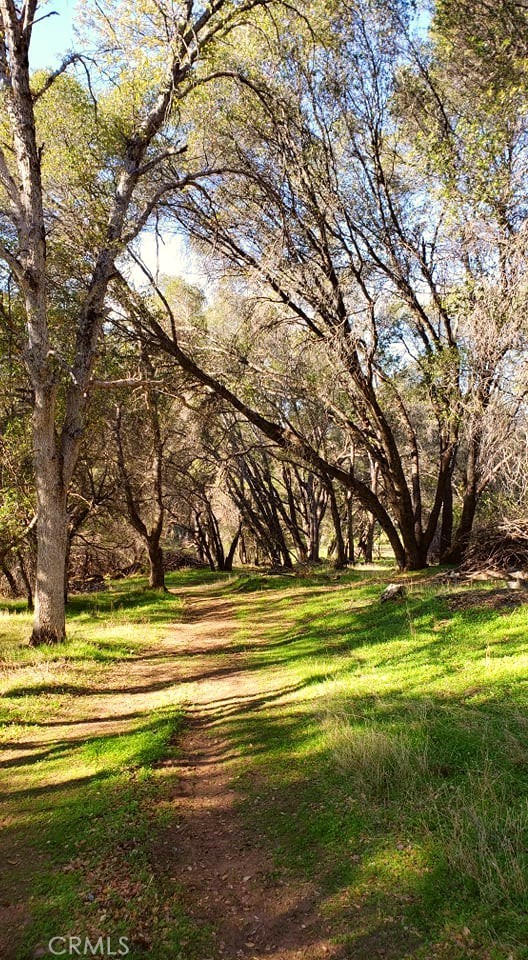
x=203, y=542
x=9, y=577
x=285, y=557
x=368, y=551
x=455, y=553
x=369, y=538
x=341, y=554
x=414, y=548
x=291, y=517
x=350, y=548
x=313, y=556
x=446, y=530
x=52, y=529
x=415, y=558
x=26, y=581
x=67, y=565
x=228, y=563
x=157, y=566
x=200, y=550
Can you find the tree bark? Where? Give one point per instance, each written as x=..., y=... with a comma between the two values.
x=157, y=566
x=291, y=516
x=150, y=533
x=369, y=539
x=350, y=546
x=52, y=528
x=4, y=569
x=455, y=553
x=228, y=565
x=26, y=581
x=341, y=553
x=203, y=542
x=446, y=530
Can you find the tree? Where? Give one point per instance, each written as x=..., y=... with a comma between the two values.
x=464, y=104
x=17, y=506
x=282, y=501
x=141, y=467
x=330, y=211
x=135, y=164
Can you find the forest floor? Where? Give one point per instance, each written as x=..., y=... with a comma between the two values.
x=257, y=766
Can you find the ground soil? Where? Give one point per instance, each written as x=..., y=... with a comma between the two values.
x=498, y=599
x=230, y=880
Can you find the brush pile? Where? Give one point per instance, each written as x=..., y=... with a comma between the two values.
x=501, y=547
x=180, y=559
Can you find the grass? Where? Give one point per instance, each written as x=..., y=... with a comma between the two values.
x=103, y=629
x=90, y=884
x=392, y=767
x=83, y=804
x=386, y=760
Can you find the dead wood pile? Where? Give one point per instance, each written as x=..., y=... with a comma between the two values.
x=502, y=546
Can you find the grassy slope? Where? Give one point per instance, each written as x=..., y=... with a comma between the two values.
x=396, y=773
x=86, y=812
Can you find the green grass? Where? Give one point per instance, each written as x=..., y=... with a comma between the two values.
x=386, y=760
x=94, y=843
x=391, y=764
x=83, y=810
x=103, y=628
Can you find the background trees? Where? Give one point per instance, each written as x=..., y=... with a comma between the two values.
x=355, y=176
x=387, y=223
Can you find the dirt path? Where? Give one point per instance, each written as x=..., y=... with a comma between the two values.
x=228, y=881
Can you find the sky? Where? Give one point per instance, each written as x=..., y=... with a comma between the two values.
x=171, y=257
x=53, y=36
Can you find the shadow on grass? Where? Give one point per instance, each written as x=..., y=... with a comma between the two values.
x=375, y=847
x=366, y=828
x=423, y=629
x=121, y=595
x=94, y=836
x=325, y=577
x=426, y=822
x=101, y=628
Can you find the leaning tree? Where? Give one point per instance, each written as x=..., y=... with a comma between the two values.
x=362, y=200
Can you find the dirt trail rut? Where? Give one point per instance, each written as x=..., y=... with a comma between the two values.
x=230, y=881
